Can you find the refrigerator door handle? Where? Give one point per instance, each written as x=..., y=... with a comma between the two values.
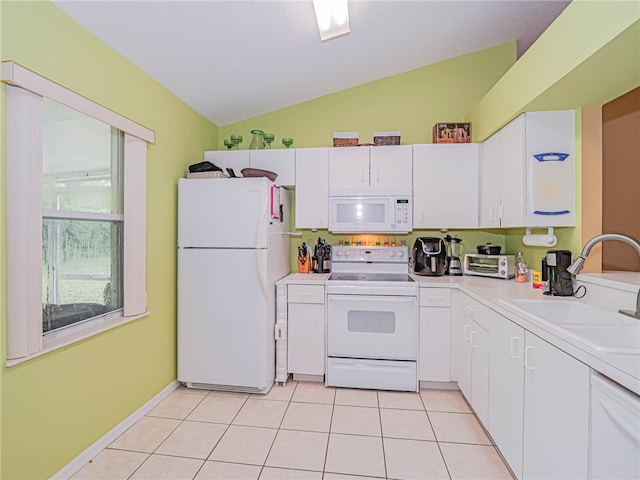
x=261, y=279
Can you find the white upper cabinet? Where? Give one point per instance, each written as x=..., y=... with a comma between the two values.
x=390, y=166
x=236, y=159
x=312, y=188
x=445, y=185
x=280, y=161
x=512, y=195
x=348, y=167
x=550, y=169
x=384, y=166
x=527, y=173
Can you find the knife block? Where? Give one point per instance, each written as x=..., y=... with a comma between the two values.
x=306, y=266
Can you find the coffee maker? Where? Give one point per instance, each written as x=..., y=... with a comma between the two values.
x=430, y=256
x=454, y=254
x=557, y=263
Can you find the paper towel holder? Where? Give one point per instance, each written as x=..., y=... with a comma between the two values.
x=548, y=240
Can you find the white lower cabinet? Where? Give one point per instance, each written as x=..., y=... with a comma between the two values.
x=472, y=344
x=532, y=397
x=556, y=412
x=306, y=344
x=506, y=390
x=435, y=335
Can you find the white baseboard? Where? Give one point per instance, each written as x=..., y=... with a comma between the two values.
x=81, y=460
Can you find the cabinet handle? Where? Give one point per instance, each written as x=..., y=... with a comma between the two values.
x=513, y=346
x=492, y=213
x=427, y=317
x=377, y=176
x=362, y=178
x=465, y=332
x=528, y=364
x=305, y=295
x=501, y=212
x=471, y=339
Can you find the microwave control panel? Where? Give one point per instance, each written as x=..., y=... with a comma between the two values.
x=403, y=211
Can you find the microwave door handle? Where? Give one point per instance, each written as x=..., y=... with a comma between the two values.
x=392, y=213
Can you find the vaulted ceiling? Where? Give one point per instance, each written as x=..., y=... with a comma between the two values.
x=232, y=60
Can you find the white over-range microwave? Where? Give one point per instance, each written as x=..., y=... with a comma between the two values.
x=371, y=210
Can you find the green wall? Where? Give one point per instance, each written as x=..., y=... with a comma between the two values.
x=588, y=56
x=411, y=102
x=55, y=406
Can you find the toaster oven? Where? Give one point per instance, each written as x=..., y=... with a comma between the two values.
x=497, y=266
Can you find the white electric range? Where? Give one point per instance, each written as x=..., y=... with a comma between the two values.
x=372, y=319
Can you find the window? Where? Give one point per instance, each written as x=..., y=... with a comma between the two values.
x=75, y=215
x=82, y=219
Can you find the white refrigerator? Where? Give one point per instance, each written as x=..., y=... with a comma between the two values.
x=232, y=248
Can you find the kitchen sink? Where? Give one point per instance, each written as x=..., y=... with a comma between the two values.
x=602, y=329
x=567, y=312
x=612, y=339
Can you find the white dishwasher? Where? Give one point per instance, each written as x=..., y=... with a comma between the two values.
x=615, y=431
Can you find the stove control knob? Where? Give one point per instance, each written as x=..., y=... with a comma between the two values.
x=392, y=253
x=347, y=253
x=401, y=254
x=339, y=253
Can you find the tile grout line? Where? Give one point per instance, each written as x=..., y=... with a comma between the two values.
x=264, y=463
x=444, y=461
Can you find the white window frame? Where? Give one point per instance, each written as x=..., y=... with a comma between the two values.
x=23, y=140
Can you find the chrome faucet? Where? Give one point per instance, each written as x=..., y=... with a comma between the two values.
x=576, y=266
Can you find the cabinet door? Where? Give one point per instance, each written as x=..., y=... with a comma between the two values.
x=512, y=192
x=435, y=336
x=556, y=412
x=391, y=166
x=550, y=182
x=312, y=188
x=461, y=347
x=445, y=186
x=506, y=389
x=278, y=160
x=236, y=159
x=489, y=194
x=348, y=167
x=479, y=342
x=306, y=338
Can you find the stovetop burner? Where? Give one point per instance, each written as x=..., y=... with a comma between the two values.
x=370, y=277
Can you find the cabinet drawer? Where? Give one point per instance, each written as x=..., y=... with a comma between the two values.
x=305, y=294
x=435, y=297
x=476, y=311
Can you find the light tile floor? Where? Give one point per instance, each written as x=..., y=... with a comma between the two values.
x=303, y=431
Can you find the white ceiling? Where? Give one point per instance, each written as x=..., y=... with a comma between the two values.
x=232, y=60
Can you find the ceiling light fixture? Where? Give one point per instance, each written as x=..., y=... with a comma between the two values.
x=332, y=17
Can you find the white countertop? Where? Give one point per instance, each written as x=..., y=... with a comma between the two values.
x=629, y=281
x=305, y=278
x=492, y=292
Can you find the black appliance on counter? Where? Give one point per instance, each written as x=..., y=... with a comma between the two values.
x=321, y=260
x=557, y=262
x=429, y=256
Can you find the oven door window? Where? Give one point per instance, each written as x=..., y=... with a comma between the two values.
x=380, y=327
x=367, y=321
